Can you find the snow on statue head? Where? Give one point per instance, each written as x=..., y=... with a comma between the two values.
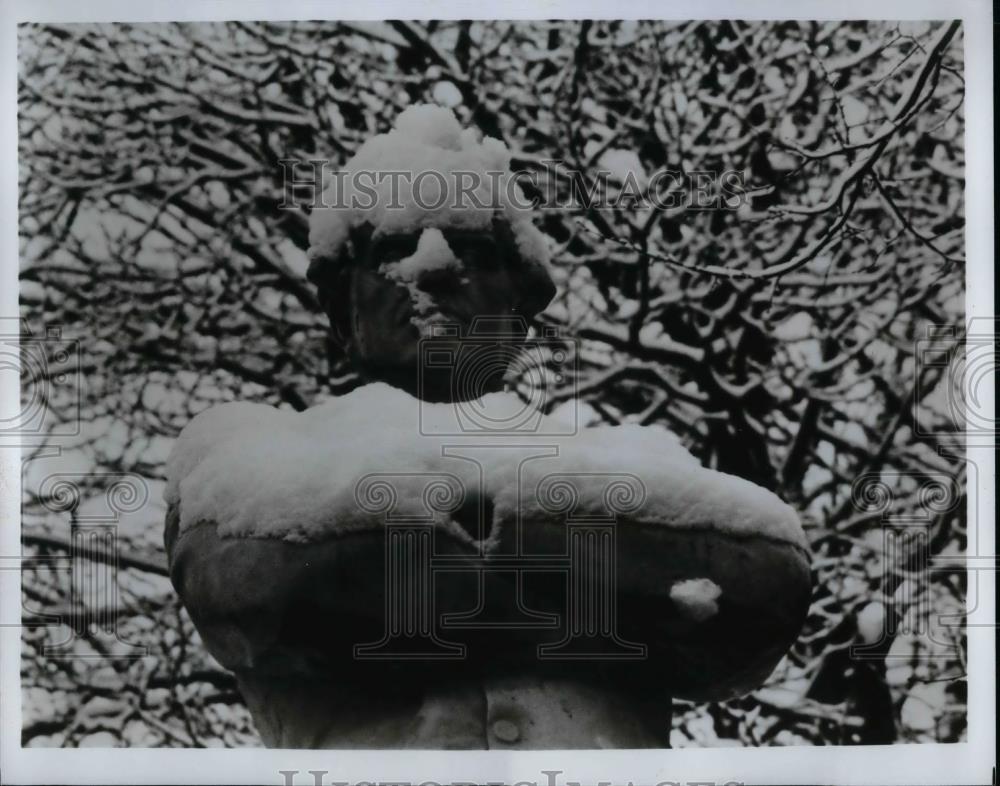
x=423, y=232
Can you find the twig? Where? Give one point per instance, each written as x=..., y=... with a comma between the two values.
x=123, y=560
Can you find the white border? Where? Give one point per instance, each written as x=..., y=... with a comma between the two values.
x=968, y=763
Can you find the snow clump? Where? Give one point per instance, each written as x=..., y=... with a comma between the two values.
x=449, y=179
x=696, y=598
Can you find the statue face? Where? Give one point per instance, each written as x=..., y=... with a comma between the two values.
x=386, y=325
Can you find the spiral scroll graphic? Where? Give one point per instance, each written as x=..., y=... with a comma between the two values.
x=375, y=494
x=558, y=494
x=625, y=495
x=127, y=494
x=59, y=494
x=871, y=494
x=444, y=494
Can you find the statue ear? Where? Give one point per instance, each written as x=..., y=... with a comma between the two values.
x=535, y=287
x=333, y=279
x=340, y=307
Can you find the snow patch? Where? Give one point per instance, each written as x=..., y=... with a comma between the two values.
x=871, y=622
x=432, y=253
x=446, y=94
x=696, y=598
x=621, y=164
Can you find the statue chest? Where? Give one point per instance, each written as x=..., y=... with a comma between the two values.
x=504, y=713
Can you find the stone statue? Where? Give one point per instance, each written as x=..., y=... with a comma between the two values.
x=425, y=564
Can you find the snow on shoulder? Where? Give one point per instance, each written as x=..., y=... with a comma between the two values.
x=425, y=172
x=256, y=471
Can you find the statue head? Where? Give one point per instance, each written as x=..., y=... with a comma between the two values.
x=410, y=272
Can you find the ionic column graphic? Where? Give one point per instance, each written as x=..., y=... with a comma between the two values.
x=94, y=602
x=505, y=608
x=410, y=612
x=906, y=553
x=592, y=571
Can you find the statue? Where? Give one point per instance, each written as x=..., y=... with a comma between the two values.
x=425, y=563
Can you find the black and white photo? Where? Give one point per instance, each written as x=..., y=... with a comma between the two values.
x=499, y=384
